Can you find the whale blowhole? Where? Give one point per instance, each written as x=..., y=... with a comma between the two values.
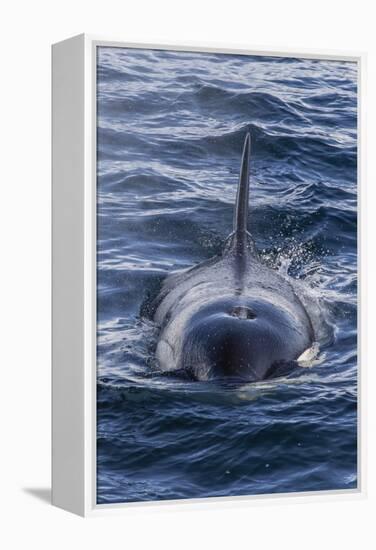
x=243, y=312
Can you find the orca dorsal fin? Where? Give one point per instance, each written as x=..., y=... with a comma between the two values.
x=240, y=240
x=242, y=197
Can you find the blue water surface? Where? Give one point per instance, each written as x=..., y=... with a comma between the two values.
x=170, y=132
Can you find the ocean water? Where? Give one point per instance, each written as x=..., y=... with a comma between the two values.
x=170, y=132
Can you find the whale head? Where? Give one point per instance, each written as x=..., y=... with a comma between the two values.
x=241, y=338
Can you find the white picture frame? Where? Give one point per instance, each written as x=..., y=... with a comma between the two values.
x=74, y=277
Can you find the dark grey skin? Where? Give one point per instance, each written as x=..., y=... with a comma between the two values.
x=231, y=316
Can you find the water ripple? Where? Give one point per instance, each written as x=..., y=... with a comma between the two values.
x=170, y=132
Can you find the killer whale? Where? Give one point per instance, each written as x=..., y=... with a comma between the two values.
x=231, y=316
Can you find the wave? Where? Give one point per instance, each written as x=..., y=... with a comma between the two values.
x=316, y=152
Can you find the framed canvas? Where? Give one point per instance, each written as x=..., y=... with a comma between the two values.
x=206, y=275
